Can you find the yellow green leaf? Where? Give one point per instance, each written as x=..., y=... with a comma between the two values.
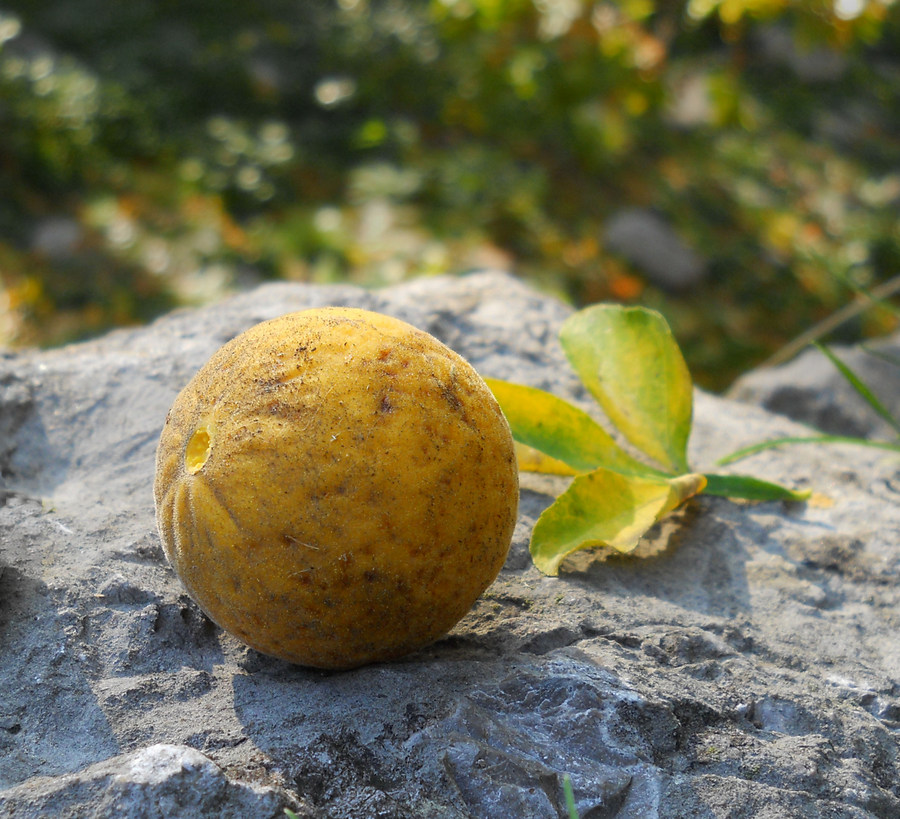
x=561, y=431
x=604, y=508
x=533, y=460
x=749, y=488
x=631, y=363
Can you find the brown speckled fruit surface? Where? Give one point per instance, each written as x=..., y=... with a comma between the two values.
x=335, y=487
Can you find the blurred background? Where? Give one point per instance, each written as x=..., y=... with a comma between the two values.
x=732, y=163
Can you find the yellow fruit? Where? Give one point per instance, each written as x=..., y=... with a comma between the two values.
x=335, y=487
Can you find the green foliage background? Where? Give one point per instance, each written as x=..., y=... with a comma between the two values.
x=160, y=153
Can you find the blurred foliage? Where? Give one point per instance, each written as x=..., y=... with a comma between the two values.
x=159, y=153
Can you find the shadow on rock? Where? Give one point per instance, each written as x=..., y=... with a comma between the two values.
x=480, y=738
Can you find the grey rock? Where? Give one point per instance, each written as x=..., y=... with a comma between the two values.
x=157, y=782
x=57, y=237
x=649, y=242
x=810, y=65
x=745, y=664
x=810, y=389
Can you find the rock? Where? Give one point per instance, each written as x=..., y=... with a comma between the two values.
x=810, y=389
x=649, y=243
x=157, y=782
x=57, y=237
x=778, y=45
x=746, y=664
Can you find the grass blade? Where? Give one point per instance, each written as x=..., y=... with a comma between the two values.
x=747, y=451
x=864, y=392
x=570, y=797
x=881, y=354
x=865, y=299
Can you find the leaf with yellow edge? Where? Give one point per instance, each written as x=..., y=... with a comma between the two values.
x=561, y=431
x=630, y=362
x=530, y=459
x=604, y=508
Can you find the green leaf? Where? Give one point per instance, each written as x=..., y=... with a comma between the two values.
x=856, y=382
x=631, y=363
x=565, y=433
x=749, y=488
x=604, y=508
x=747, y=451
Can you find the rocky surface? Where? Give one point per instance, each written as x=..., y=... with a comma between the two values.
x=745, y=664
x=157, y=782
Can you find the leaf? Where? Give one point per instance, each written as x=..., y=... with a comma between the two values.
x=530, y=459
x=747, y=451
x=560, y=430
x=630, y=362
x=749, y=488
x=604, y=508
x=856, y=382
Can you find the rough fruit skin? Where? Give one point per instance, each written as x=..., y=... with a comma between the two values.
x=335, y=487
